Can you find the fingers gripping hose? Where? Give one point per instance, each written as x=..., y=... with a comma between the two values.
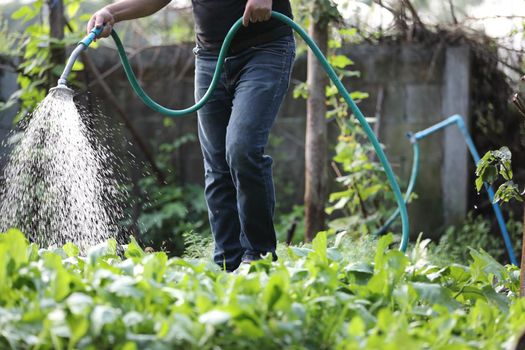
x=329, y=70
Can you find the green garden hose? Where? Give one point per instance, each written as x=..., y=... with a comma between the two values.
x=222, y=55
x=408, y=193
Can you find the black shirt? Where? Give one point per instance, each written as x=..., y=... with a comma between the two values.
x=214, y=18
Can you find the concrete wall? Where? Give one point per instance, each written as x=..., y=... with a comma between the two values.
x=8, y=85
x=420, y=86
x=411, y=87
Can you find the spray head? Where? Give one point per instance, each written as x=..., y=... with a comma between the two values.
x=62, y=88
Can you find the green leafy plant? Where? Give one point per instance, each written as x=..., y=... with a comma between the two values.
x=358, y=204
x=476, y=233
x=361, y=200
x=489, y=169
x=33, y=45
x=314, y=297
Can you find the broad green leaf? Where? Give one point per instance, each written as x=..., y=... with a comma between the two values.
x=78, y=327
x=274, y=294
x=154, y=266
x=16, y=244
x=319, y=245
x=432, y=293
x=78, y=66
x=24, y=13
x=133, y=250
x=215, y=317
x=71, y=249
x=102, y=315
x=129, y=345
x=59, y=286
x=79, y=303
x=492, y=297
x=300, y=251
x=382, y=246
x=484, y=268
x=108, y=248
x=125, y=287
x=479, y=183
x=357, y=327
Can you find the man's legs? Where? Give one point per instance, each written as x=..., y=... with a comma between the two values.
x=260, y=79
x=219, y=188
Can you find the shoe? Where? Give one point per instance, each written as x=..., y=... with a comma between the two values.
x=249, y=258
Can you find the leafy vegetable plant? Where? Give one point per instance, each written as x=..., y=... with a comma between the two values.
x=314, y=297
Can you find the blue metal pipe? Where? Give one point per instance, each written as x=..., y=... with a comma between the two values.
x=458, y=120
x=434, y=128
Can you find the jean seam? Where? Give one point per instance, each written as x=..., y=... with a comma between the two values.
x=265, y=180
x=267, y=184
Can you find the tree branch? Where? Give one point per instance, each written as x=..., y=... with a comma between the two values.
x=452, y=12
x=414, y=14
x=493, y=17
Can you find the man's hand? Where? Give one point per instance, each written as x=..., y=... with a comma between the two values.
x=100, y=18
x=121, y=11
x=257, y=11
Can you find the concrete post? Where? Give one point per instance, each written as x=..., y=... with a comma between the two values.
x=456, y=160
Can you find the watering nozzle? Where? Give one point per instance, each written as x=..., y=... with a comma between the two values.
x=63, y=88
x=82, y=45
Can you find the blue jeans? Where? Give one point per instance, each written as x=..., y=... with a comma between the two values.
x=233, y=131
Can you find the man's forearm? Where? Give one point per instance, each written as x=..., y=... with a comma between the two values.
x=131, y=9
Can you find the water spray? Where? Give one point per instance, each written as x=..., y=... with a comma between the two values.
x=83, y=45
